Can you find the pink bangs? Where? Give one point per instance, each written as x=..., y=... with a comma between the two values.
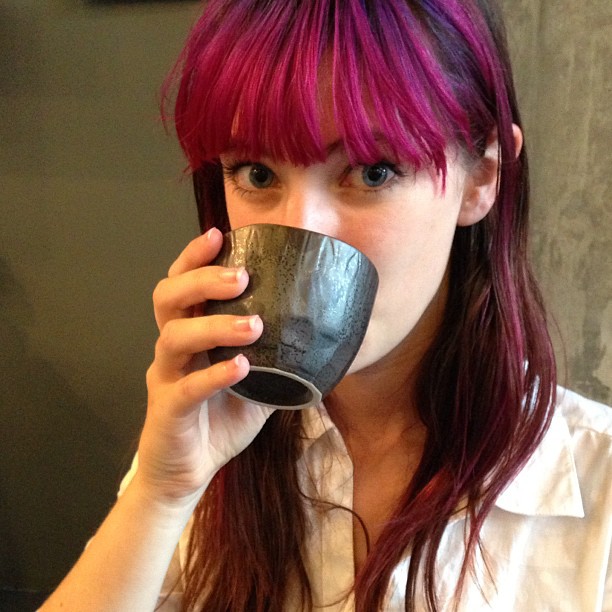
x=259, y=76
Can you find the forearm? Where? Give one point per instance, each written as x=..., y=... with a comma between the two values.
x=124, y=566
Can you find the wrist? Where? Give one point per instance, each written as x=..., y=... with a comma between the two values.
x=176, y=509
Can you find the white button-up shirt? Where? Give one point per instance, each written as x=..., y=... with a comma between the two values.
x=546, y=542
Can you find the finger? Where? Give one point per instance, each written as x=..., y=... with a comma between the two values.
x=199, y=252
x=177, y=296
x=181, y=339
x=197, y=387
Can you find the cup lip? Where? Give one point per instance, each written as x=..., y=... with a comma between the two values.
x=317, y=397
x=305, y=231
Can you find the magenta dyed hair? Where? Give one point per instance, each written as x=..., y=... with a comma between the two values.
x=254, y=75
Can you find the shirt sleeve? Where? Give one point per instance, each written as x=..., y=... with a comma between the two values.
x=171, y=596
x=607, y=596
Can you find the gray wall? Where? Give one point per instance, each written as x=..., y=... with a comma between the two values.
x=563, y=54
x=94, y=208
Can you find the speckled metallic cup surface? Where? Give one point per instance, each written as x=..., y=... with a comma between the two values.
x=315, y=296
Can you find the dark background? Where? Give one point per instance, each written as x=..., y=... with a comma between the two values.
x=94, y=208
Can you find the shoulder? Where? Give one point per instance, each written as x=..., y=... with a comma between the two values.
x=570, y=471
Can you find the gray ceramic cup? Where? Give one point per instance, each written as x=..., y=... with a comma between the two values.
x=315, y=296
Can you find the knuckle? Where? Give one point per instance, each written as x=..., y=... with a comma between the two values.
x=159, y=293
x=168, y=338
x=188, y=389
x=152, y=378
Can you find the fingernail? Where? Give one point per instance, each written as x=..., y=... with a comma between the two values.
x=246, y=324
x=211, y=233
x=240, y=360
x=231, y=275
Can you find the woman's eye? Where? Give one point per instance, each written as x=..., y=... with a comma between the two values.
x=248, y=176
x=260, y=176
x=371, y=176
x=376, y=175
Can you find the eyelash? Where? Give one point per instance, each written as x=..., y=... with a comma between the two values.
x=397, y=172
x=231, y=169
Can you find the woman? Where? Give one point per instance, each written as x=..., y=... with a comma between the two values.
x=443, y=472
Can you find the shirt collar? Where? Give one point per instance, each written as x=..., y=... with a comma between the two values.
x=548, y=483
x=316, y=423
x=546, y=486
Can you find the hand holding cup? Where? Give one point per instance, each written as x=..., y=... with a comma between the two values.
x=314, y=294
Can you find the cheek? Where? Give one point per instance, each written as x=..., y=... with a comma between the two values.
x=235, y=213
x=241, y=212
x=411, y=259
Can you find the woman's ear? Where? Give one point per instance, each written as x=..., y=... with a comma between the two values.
x=481, y=185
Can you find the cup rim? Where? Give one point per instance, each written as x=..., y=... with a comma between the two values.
x=306, y=231
x=316, y=399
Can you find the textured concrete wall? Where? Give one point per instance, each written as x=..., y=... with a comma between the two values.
x=94, y=210
x=563, y=63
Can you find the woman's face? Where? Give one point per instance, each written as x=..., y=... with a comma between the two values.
x=404, y=221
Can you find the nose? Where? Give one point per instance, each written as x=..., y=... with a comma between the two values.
x=309, y=207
